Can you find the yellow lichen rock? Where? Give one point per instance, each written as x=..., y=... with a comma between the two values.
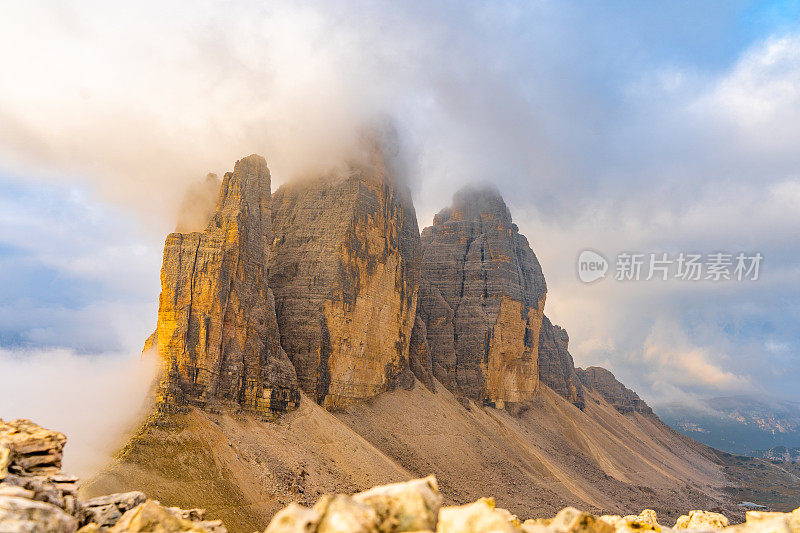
x=767, y=519
x=343, y=514
x=571, y=520
x=295, y=519
x=152, y=517
x=763, y=522
x=705, y=520
x=610, y=519
x=477, y=517
x=408, y=506
x=644, y=521
x=217, y=334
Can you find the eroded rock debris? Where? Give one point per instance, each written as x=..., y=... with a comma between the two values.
x=36, y=497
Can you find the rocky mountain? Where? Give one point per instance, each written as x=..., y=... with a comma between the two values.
x=556, y=366
x=217, y=333
x=780, y=453
x=737, y=424
x=313, y=341
x=483, y=300
x=615, y=393
x=344, y=266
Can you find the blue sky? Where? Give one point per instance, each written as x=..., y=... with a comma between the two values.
x=649, y=126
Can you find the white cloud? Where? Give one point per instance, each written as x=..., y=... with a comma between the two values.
x=94, y=400
x=674, y=358
x=546, y=100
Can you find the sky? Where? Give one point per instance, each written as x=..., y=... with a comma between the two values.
x=643, y=127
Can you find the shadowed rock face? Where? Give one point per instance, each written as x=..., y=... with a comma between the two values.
x=482, y=300
x=618, y=395
x=556, y=367
x=217, y=333
x=344, y=265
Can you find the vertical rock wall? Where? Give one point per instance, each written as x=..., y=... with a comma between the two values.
x=482, y=300
x=556, y=366
x=344, y=265
x=618, y=395
x=217, y=332
x=327, y=285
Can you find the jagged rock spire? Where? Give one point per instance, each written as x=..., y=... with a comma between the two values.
x=482, y=300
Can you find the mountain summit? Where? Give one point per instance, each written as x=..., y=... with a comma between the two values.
x=313, y=341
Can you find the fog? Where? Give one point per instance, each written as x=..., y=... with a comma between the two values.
x=94, y=400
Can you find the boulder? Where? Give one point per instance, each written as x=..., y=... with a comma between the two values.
x=477, y=517
x=31, y=449
x=704, y=520
x=571, y=520
x=610, y=519
x=107, y=510
x=152, y=517
x=763, y=520
x=647, y=520
x=343, y=514
x=23, y=515
x=409, y=506
x=295, y=519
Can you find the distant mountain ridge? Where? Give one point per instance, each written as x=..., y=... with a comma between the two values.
x=737, y=424
x=780, y=453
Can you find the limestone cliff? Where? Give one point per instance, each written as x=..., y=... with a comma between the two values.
x=344, y=265
x=615, y=393
x=482, y=300
x=217, y=333
x=556, y=367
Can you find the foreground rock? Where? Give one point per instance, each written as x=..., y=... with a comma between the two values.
x=35, y=497
x=399, y=507
x=416, y=506
x=25, y=446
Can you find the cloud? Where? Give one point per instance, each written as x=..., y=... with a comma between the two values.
x=646, y=130
x=673, y=357
x=94, y=400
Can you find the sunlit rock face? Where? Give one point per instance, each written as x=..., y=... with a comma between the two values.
x=344, y=266
x=618, y=395
x=556, y=366
x=217, y=333
x=482, y=300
